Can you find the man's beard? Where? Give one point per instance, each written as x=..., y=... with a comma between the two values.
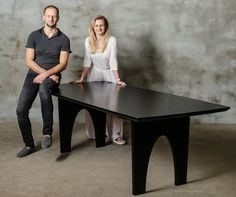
x=51, y=26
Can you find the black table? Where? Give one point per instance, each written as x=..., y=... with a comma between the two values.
x=152, y=114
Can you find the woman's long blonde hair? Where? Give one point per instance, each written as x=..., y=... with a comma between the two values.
x=92, y=36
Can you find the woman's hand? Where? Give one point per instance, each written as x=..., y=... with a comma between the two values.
x=122, y=83
x=76, y=81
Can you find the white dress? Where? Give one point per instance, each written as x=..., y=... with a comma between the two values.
x=101, y=65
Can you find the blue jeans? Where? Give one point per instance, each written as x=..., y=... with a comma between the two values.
x=27, y=97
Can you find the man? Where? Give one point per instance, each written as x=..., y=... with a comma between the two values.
x=47, y=54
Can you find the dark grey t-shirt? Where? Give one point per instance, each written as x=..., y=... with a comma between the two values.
x=48, y=49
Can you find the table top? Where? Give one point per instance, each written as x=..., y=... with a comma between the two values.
x=132, y=103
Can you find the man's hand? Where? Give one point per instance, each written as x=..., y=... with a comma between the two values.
x=40, y=78
x=54, y=78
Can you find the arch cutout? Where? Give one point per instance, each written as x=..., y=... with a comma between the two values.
x=160, y=170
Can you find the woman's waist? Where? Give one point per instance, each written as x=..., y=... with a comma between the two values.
x=102, y=67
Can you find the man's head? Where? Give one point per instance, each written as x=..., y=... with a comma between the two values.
x=51, y=16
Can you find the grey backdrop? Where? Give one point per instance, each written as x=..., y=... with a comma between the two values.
x=184, y=47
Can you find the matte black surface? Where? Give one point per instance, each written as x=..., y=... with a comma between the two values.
x=134, y=103
x=144, y=136
x=152, y=114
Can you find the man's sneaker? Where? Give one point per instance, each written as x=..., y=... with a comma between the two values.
x=46, y=141
x=119, y=141
x=26, y=151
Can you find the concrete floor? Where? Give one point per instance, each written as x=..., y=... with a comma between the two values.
x=90, y=172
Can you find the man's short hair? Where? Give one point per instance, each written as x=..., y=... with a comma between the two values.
x=51, y=6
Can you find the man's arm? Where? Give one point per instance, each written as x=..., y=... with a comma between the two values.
x=29, y=60
x=64, y=57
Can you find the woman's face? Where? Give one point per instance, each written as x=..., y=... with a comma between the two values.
x=99, y=27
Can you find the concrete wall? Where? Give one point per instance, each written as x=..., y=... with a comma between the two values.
x=184, y=47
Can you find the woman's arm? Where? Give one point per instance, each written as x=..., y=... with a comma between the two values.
x=118, y=81
x=114, y=63
x=86, y=64
x=83, y=76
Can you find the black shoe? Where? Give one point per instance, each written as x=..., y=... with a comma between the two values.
x=26, y=151
x=46, y=141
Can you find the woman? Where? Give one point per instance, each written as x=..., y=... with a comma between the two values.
x=100, y=64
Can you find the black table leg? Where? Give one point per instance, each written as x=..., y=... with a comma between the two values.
x=144, y=136
x=99, y=122
x=67, y=114
x=179, y=141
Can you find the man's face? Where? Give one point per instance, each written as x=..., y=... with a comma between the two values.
x=51, y=17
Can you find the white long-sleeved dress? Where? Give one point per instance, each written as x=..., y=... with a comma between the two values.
x=101, y=65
